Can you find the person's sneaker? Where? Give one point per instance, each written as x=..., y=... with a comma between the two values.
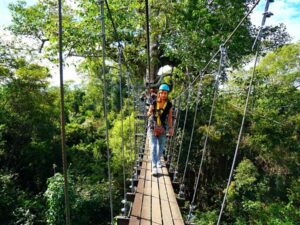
x=154, y=171
x=158, y=165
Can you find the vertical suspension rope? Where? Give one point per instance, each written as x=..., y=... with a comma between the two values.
x=177, y=116
x=133, y=156
x=168, y=145
x=148, y=41
x=193, y=128
x=192, y=207
x=239, y=139
x=62, y=115
x=135, y=107
x=121, y=58
x=255, y=45
x=124, y=210
x=225, y=43
x=105, y=106
x=183, y=129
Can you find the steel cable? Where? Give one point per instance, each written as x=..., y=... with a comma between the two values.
x=62, y=114
x=105, y=106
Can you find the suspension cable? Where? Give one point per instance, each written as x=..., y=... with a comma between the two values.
x=62, y=114
x=124, y=209
x=176, y=122
x=169, y=140
x=216, y=85
x=193, y=128
x=130, y=129
x=225, y=42
x=239, y=139
x=183, y=131
x=120, y=54
x=257, y=40
x=148, y=40
x=102, y=17
x=129, y=83
x=118, y=40
x=176, y=130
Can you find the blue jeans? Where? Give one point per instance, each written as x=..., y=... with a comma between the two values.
x=157, y=145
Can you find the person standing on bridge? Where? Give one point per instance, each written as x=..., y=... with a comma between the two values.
x=160, y=113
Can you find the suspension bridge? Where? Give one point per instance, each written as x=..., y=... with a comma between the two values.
x=154, y=199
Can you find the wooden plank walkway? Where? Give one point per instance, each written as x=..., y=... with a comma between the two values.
x=155, y=201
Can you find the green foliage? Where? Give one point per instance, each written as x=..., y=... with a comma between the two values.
x=87, y=201
x=55, y=199
x=16, y=206
x=206, y=218
x=116, y=145
x=245, y=175
x=94, y=203
x=294, y=193
x=265, y=189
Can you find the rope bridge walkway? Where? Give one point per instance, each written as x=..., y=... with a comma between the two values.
x=153, y=197
x=155, y=201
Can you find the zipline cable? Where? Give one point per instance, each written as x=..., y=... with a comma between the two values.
x=255, y=45
x=62, y=114
x=105, y=106
x=225, y=42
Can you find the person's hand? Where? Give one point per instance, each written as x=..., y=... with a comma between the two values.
x=171, y=131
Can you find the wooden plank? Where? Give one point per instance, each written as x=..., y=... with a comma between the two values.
x=146, y=208
x=138, y=201
x=175, y=211
x=156, y=210
x=145, y=222
x=134, y=220
x=164, y=201
x=142, y=177
x=178, y=222
x=155, y=201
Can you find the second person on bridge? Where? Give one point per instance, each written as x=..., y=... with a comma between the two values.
x=160, y=113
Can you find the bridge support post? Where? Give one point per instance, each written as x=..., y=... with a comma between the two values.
x=122, y=220
x=176, y=186
x=130, y=196
x=189, y=223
